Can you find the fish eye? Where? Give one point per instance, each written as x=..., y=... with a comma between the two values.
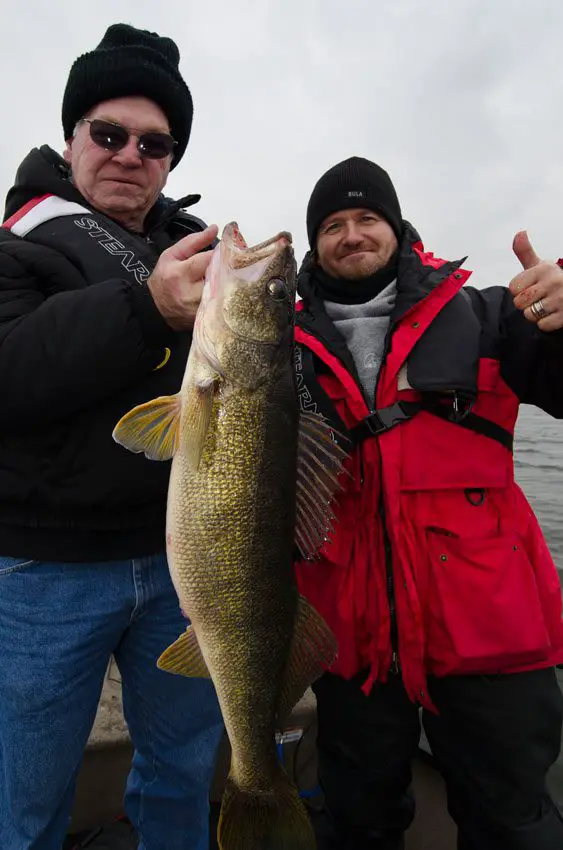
x=277, y=289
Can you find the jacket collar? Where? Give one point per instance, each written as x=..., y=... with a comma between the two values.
x=418, y=273
x=447, y=354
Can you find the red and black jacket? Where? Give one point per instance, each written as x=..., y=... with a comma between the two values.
x=437, y=558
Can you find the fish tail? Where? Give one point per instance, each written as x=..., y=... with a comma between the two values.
x=273, y=820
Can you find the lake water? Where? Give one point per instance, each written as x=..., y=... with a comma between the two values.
x=538, y=455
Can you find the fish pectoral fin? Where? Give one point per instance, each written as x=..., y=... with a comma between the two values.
x=184, y=657
x=319, y=464
x=151, y=428
x=199, y=407
x=313, y=650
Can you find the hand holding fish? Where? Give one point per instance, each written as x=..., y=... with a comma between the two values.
x=176, y=283
x=538, y=290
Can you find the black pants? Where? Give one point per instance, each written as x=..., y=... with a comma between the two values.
x=494, y=741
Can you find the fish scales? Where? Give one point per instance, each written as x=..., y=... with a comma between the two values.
x=251, y=477
x=233, y=521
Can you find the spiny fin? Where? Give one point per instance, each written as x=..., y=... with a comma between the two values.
x=152, y=428
x=319, y=463
x=313, y=650
x=268, y=820
x=184, y=657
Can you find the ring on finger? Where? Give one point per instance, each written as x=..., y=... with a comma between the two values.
x=538, y=310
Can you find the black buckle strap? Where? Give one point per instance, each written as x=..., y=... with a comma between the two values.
x=476, y=423
x=457, y=410
x=383, y=420
x=386, y=418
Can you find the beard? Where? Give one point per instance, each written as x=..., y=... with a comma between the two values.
x=361, y=266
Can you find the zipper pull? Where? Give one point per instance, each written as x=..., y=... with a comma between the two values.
x=395, y=666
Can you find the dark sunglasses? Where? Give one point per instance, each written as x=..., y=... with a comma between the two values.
x=114, y=137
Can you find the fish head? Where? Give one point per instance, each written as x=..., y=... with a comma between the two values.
x=244, y=326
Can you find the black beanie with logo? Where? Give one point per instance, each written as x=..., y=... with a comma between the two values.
x=353, y=183
x=131, y=62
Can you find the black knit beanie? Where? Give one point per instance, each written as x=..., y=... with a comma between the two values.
x=355, y=182
x=129, y=62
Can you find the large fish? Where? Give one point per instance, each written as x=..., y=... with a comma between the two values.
x=251, y=476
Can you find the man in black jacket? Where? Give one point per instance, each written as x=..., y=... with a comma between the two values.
x=100, y=279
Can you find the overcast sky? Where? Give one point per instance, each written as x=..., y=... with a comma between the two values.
x=460, y=100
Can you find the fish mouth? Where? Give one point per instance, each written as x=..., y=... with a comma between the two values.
x=235, y=263
x=243, y=256
x=260, y=263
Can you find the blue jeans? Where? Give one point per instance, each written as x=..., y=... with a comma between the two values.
x=59, y=625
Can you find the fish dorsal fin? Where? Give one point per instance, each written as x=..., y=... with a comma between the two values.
x=313, y=650
x=319, y=463
x=184, y=657
x=151, y=428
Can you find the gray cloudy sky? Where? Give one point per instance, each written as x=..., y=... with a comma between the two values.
x=460, y=100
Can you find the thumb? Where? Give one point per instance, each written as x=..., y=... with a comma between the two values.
x=522, y=247
x=193, y=244
x=197, y=266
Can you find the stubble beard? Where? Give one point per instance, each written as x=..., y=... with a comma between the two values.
x=364, y=268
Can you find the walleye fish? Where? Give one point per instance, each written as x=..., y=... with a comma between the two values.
x=251, y=477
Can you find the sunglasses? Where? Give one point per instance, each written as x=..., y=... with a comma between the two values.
x=114, y=137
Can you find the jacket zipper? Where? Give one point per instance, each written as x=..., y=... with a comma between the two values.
x=390, y=583
x=390, y=579
x=394, y=631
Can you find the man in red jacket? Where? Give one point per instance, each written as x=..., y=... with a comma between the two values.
x=438, y=582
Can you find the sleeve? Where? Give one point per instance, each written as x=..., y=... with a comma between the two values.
x=65, y=351
x=531, y=361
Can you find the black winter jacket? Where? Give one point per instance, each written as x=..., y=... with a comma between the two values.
x=81, y=343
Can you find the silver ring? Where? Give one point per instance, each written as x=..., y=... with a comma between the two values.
x=538, y=310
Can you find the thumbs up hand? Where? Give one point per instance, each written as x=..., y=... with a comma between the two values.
x=538, y=290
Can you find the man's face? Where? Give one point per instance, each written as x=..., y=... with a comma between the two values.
x=121, y=184
x=353, y=244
